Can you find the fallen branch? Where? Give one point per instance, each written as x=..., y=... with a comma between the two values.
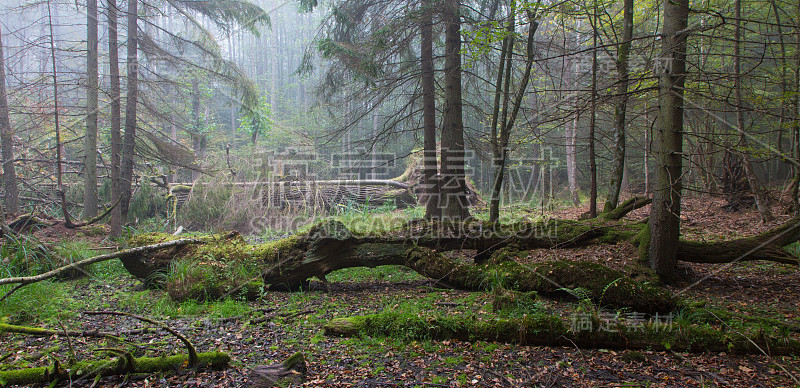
x=25, y=280
x=626, y=207
x=189, y=347
x=42, y=332
x=124, y=364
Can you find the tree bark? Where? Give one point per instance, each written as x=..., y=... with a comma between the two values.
x=593, y=121
x=90, y=139
x=509, y=118
x=429, y=159
x=752, y=180
x=129, y=142
x=454, y=185
x=665, y=212
x=115, y=119
x=621, y=107
x=11, y=197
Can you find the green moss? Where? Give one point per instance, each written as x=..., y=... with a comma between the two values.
x=642, y=242
x=541, y=329
x=143, y=239
x=606, y=286
x=29, y=376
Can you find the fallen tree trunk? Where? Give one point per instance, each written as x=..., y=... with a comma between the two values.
x=329, y=246
x=547, y=330
x=289, y=263
x=121, y=365
x=765, y=246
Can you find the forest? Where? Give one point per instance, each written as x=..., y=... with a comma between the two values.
x=384, y=193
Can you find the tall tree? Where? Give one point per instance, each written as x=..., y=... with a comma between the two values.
x=508, y=119
x=454, y=184
x=129, y=140
x=665, y=213
x=11, y=198
x=90, y=139
x=593, y=119
x=429, y=160
x=115, y=119
x=752, y=180
x=621, y=106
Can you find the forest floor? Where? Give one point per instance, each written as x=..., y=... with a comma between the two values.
x=755, y=288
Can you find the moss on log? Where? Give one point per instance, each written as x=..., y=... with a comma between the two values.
x=768, y=246
x=545, y=330
x=625, y=207
x=225, y=265
x=116, y=366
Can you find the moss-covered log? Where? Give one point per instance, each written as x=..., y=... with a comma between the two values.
x=124, y=364
x=544, y=330
x=42, y=332
x=626, y=207
x=765, y=246
x=329, y=246
x=289, y=263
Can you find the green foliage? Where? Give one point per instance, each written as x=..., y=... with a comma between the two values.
x=146, y=203
x=213, y=279
x=227, y=13
x=257, y=121
x=205, y=206
x=24, y=256
x=387, y=273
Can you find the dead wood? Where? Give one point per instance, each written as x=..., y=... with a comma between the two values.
x=25, y=280
x=291, y=371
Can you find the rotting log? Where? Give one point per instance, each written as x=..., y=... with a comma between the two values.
x=289, y=263
x=547, y=330
x=765, y=246
x=292, y=371
x=330, y=246
x=122, y=365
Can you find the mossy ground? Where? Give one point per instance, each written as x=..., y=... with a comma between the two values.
x=410, y=350
x=750, y=298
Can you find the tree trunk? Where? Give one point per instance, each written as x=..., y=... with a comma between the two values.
x=593, y=122
x=509, y=118
x=499, y=150
x=90, y=140
x=129, y=143
x=752, y=180
x=454, y=185
x=665, y=211
x=11, y=198
x=196, y=133
x=429, y=161
x=115, y=119
x=620, y=108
